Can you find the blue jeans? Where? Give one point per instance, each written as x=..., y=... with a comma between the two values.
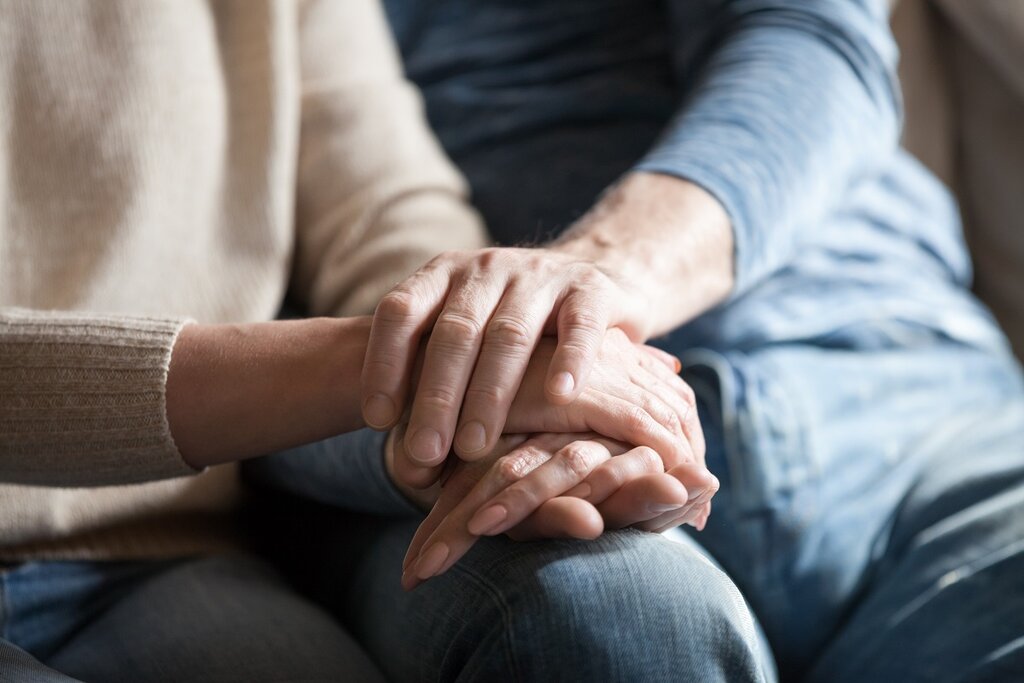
x=871, y=517
x=225, y=618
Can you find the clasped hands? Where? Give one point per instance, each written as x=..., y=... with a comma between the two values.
x=552, y=436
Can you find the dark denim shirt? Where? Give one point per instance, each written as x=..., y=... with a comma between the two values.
x=786, y=110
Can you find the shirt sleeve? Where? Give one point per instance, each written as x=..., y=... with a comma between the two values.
x=788, y=103
x=376, y=195
x=82, y=399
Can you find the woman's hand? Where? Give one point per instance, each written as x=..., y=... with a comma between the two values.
x=485, y=312
x=553, y=486
x=634, y=396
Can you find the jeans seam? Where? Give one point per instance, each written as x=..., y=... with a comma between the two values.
x=506, y=612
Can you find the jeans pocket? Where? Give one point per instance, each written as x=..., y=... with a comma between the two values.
x=754, y=426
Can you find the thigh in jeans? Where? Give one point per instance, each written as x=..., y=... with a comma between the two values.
x=945, y=601
x=223, y=618
x=817, y=449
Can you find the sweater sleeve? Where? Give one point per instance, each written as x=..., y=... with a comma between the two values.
x=792, y=102
x=376, y=195
x=82, y=399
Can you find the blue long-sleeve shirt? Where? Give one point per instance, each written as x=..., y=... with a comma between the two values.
x=787, y=111
x=775, y=106
x=791, y=103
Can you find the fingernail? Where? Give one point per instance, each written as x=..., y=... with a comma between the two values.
x=378, y=411
x=432, y=560
x=679, y=365
x=487, y=519
x=409, y=581
x=580, y=491
x=662, y=509
x=561, y=384
x=425, y=446
x=472, y=437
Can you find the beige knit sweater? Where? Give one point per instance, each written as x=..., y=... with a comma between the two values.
x=166, y=160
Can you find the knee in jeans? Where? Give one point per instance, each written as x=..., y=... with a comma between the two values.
x=631, y=603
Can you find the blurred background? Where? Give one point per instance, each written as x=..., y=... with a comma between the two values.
x=962, y=71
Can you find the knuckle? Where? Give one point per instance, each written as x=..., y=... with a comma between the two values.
x=437, y=396
x=649, y=459
x=636, y=420
x=672, y=421
x=439, y=260
x=661, y=413
x=510, y=333
x=379, y=366
x=446, y=261
x=488, y=394
x=456, y=329
x=576, y=458
x=486, y=258
x=584, y=320
x=396, y=306
x=511, y=468
x=573, y=351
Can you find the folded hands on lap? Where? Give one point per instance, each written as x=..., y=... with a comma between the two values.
x=622, y=448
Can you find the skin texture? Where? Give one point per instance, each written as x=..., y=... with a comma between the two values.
x=633, y=397
x=653, y=253
x=554, y=485
x=239, y=391
x=551, y=486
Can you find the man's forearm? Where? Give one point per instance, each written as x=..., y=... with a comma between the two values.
x=238, y=391
x=666, y=237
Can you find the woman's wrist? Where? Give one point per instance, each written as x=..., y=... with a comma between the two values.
x=237, y=391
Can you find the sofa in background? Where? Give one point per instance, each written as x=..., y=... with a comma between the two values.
x=962, y=70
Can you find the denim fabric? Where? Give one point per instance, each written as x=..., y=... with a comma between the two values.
x=822, y=468
x=629, y=606
x=228, y=618
x=347, y=471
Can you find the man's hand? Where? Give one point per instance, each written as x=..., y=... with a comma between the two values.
x=553, y=486
x=485, y=312
x=634, y=396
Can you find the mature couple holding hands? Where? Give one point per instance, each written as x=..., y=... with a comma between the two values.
x=174, y=172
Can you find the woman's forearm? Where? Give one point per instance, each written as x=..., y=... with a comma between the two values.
x=238, y=391
x=666, y=237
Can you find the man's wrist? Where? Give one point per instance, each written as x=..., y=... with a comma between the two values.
x=665, y=236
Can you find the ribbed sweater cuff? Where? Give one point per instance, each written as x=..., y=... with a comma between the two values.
x=82, y=399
